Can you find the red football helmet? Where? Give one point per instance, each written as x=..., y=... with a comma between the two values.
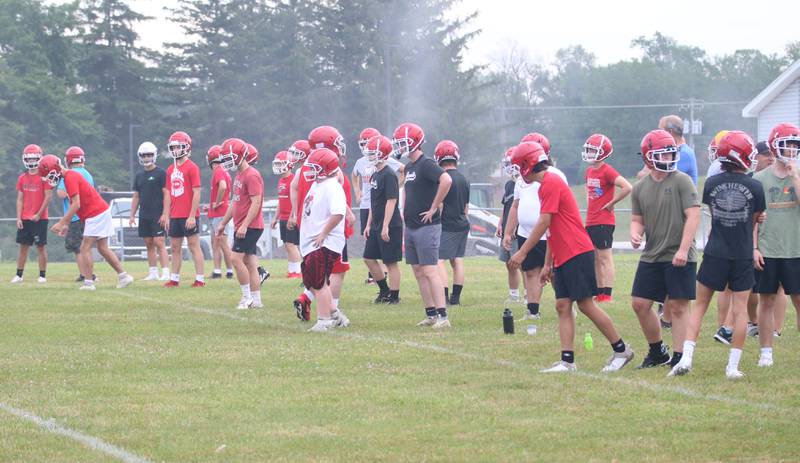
x=233, y=152
x=180, y=145
x=378, y=149
x=281, y=163
x=299, y=151
x=31, y=156
x=714, y=144
x=526, y=156
x=406, y=139
x=505, y=164
x=75, y=155
x=213, y=154
x=540, y=139
x=446, y=150
x=321, y=163
x=780, y=138
x=364, y=137
x=326, y=136
x=50, y=169
x=597, y=148
x=657, y=144
x=252, y=154
x=737, y=148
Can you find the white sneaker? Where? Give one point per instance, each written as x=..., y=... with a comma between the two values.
x=16, y=279
x=85, y=287
x=164, y=277
x=561, y=367
x=323, y=326
x=41, y=280
x=151, y=277
x=765, y=361
x=428, y=321
x=733, y=374
x=680, y=369
x=257, y=305
x=752, y=330
x=530, y=316
x=245, y=303
x=340, y=319
x=442, y=323
x=513, y=299
x=619, y=360
x=125, y=281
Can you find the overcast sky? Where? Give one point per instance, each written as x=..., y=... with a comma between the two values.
x=605, y=28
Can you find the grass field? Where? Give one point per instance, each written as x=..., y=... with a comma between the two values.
x=179, y=375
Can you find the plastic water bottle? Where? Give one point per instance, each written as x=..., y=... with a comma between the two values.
x=588, y=343
x=508, y=321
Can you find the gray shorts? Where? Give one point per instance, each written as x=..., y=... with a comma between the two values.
x=215, y=221
x=504, y=255
x=74, y=238
x=453, y=244
x=422, y=244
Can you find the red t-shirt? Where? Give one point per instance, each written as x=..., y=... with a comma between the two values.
x=568, y=237
x=32, y=187
x=180, y=182
x=248, y=183
x=302, y=190
x=599, y=192
x=348, y=229
x=284, y=200
x=218, y=176
x=92, y=204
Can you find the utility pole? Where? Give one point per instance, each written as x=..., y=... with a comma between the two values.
x=131, y=154
x=692, y=104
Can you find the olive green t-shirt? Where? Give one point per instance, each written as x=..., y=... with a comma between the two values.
x=661, y=205
x=778, y=236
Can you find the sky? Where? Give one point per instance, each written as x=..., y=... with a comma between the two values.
x=605, y=28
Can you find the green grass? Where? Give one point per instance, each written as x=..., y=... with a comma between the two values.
x=179, y=375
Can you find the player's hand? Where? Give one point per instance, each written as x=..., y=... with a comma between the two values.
x=291, y=224
x=19, y=224
x=516, y=260
x=36, y=217
x=163, y=221
x=762, y=217
x=545, y=275
x=132, y=221
x=240, y=232
x=507, y=243
x=427, y=217
x=58, y=228
x=220, y=229
x=636, y=240
x=319, y=240
x=680, y=259
x=366, y=231
x=758, y=260
x=609, y=206
x=349, y=218
x=274, y=222
x=499, y=232
x=385, y=234
x=190, y=223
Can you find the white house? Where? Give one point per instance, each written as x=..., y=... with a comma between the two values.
x=779, y=102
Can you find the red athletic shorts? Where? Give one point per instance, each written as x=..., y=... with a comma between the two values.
x=317, y=267
x=342, y=264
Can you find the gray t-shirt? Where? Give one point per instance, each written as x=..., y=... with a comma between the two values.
x=661, y=205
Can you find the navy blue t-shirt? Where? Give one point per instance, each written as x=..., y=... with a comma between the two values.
x=733, y=199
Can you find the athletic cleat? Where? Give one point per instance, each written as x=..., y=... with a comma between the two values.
x=245, y=303
x=369, y=281
x=293, y=275
x=44, y=280
x=303, y=308
x=340, y=319
x=172, y=284
x=163, y=278
x=124, y=281
x=257, y=305
x=151, y=277
x=454, y=300
x=776, y=334
x=393, y=300
x=428, y=321
x=657, y=360
x=382, y=299
x=752, y=330
x=322, y=326
x=619, y=359
x=530, y=316
x=513, y=299
x=16, y=279
x=442, y=323
x=216, y=276
x=723, y=336
x=85, y=287
x=682, y=368
x=263, y=274
x=229, y=275
x=733, y=374
x=561, y=367
x=198, y=284
x=765, y=362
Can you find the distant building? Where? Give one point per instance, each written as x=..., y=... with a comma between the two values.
x=779, y=102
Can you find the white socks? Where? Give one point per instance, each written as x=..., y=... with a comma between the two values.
x=154, y=271
x=165, y=272
x=336, y=303
x=256, y=295
x=513, y=293
x=245, y=290
x=217, y=271
x=200, y=278
x=294, y=267
x=766, y=352
x=688, y=351
x=122, y=275
x=309, y=294
x=733, y=359
x=175, y=276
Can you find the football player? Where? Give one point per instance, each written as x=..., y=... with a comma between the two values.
x=220, y=198
x=282, y=165
x=150, y=198
x=33, y=198
x=455, y=220
x=75, y=160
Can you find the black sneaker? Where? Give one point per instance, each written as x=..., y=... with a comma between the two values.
x=393, y=300
x=655, y=360
x=79, y=279
x=665, y=325
x=216, y=276
x=454, y=300
x=263, y=274
x=229, y=275
x=723, y=336
x=382, y=298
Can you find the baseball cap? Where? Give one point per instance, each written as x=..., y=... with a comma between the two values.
x=762, y=148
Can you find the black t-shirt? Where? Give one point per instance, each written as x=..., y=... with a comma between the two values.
x=453, y=217
x=422, y=181
x=508, y=200
x=385, y=186
x=733, y=199
x=149, y=185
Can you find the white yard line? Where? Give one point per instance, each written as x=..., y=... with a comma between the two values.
x=638, y=384
x=92, y=442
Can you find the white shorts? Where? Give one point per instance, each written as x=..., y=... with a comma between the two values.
x=99, y=226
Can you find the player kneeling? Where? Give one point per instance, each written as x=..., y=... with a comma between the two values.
x=322, y=234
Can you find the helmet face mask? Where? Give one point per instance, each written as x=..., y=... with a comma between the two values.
x=597, y=148
x=31, y=160
x=147, y=154
x=50, y=169
x=401, y=148
x=591, y=153
x=280, y=166
x=665, y=159
x=407, y=138
x=179, y=150
x=787, y=149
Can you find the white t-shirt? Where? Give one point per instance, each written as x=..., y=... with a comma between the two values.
x=529, y=205
x=364, y=169
x=714, y=168
x=323, y=200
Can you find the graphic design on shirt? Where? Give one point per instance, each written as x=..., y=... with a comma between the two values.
x=775, y=194
x=729, y=203
x=177, y=183
x=594, y=188
x=307, y=205
x=237, y=185
x=411, y=176
x=373, y=184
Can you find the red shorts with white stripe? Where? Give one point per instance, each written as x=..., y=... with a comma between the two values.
x=343, y=264
x=317, y=267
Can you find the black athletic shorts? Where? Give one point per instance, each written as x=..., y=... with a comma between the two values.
x=289, y=236
x=602, y=236
x=389, y=252
x=718, y=273
x=656, y=281
x=575, y=279
x=33, y=233
x=535, y=258
x=74, y=238
x=779, y=272
x=249, y=244
x=177, y=228
x=150, y=228
x=363, y=216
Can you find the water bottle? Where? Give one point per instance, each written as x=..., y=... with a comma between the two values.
x=508, y=321
x=588, y=343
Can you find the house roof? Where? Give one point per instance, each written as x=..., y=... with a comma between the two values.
x=772, y=91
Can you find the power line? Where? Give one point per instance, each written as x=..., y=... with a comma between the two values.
x=628, y=106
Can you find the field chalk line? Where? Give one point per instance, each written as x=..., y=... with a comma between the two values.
x=641, y=384
x=92, y=442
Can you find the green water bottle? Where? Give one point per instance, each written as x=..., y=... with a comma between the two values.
x=588, y=343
